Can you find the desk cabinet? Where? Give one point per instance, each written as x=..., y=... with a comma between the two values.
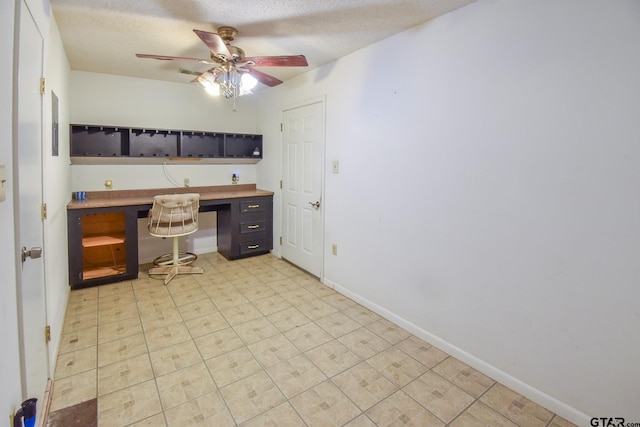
x=103, y=246
x=245, y=228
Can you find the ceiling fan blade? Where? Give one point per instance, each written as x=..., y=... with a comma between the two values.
x=263, y=77
x=276, y=61
x=215, y=43
x=174, y=58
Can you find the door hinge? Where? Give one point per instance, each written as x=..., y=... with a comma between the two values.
x=280, y=240
x=280, y=127
x=43, y=85
x=280, y=183
x=44, y=211
x=47, y=333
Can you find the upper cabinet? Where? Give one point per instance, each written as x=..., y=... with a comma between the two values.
x=118, y=145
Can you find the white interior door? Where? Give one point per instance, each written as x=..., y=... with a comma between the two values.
x=32, y=307
x=302, y=210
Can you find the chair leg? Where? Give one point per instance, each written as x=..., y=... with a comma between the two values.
x=172, y=270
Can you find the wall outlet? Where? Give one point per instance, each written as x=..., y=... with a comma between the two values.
x=3, y=183
x=186, y=182
x=334, y=249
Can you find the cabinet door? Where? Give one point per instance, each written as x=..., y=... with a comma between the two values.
x=103, y=246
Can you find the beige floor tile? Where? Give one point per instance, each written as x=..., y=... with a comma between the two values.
x=439, y=396
x=361, y=314
x=115, y=300
x=228, y=299
x=271, y=276
x=82, y=306
x=361, y=421
x=189, y=296
x=422, y=351
x=256, y=293
x=183, y=283
x=72, y=390
x=159, y=318
x=399, y=409
x=273, y=350
x=121, y=349
x=173, y=358
x=156, y=420
x=75, y=362
x=364, y=385
x=307, y=336
x=207, y=324
x=480, y=415
x=236, y=273
x=207, y=410
x=284, y=285
x=114, y=288
x=325, y=405
x=124, y=374
x=463, y=376
x=298, y=296
x=181, y=386
x=558, y=421
x=251, y=396
x=241, y=313
x=120, y=329
x=316, y=308
x=318, y=289
x=338, y=301
x=389, y=331
x=397, y=366
x=197, y=309
x=117, y=312
x=272, y=304
x=232, y=366
x=84, y=294
x=77, y=340
x=148, y=293
x=217, y=343
x=282, y=415
x=333, y=357
x=166, y=336
x=76, y=322
x=295, y=375
x=364, y=343
x=255, y=330
x=288, y=319
x=246, y=282
x=128, y=406
x=338, y=324
x=518, y=409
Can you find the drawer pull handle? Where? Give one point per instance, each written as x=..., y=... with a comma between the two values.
x=253, y=246
x=253, y=206
x=253, y=226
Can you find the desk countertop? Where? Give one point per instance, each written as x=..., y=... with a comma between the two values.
x=103, y=199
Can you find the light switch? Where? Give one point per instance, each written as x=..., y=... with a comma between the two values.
x=3, y=183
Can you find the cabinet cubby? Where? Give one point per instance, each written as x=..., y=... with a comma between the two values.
x=96, y=144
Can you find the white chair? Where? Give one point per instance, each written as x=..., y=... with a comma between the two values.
x=174, y=215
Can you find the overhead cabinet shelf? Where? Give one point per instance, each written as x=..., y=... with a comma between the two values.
x=107, y=144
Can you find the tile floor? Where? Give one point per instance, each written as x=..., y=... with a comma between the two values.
x=258, y=342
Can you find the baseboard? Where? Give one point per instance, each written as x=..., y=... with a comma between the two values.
x=569, y=413
x=41, y=421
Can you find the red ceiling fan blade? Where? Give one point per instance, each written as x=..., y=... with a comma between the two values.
x=215, y=43
x=263, y=77
x=174, y=58
x=276, y=61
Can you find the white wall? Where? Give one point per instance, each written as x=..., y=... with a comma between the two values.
x=493, y=158
x=10, y=392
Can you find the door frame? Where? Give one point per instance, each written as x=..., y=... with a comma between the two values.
x=323, y=101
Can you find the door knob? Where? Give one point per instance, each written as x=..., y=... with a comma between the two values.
x=32, y=253
x=315, y=205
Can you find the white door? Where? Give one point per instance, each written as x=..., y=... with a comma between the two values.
x=32, y=308
x=302, y=210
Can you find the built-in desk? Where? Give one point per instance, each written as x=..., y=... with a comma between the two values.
x=103, y=229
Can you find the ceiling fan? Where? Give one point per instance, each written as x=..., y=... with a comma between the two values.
x=233, y=73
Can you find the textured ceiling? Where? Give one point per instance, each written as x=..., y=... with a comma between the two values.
x=103, y=36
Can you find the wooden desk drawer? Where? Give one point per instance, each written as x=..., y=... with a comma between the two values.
x=253, y=206
x=253, y=226
x=253, y=246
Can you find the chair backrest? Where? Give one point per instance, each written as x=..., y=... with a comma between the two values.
x=174, y=215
